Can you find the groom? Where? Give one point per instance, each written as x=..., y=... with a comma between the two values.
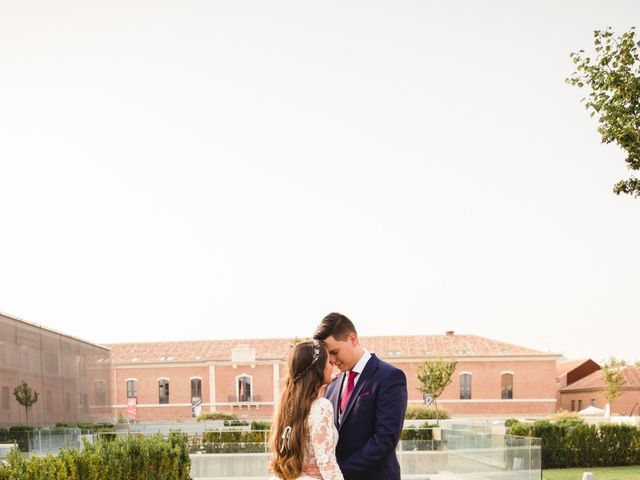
x=369, y=400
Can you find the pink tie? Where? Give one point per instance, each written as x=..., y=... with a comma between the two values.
x=350, y=384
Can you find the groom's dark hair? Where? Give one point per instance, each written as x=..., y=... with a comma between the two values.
x=334, y=325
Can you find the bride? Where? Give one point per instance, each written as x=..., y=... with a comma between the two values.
x=303, y=434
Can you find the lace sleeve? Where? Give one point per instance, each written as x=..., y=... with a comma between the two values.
x=323, y=440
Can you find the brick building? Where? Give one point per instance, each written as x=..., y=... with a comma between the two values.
x=72, y=376
x=173, y=380
x=588, y=390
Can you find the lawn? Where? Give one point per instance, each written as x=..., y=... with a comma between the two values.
x=608, y=473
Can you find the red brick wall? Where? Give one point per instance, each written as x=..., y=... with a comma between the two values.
x=533, y=381
x=621, y=405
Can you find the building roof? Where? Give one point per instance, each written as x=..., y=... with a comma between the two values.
x=595, y=381
x=562, y=368
x=50, y=330
x=449, y=345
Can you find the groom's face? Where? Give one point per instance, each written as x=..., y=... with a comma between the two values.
x=343, y=353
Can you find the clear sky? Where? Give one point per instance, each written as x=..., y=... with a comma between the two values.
x=176, y=170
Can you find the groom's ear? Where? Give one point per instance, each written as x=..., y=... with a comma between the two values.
x=352, y=338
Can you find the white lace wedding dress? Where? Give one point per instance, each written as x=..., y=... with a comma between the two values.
x=321, y=442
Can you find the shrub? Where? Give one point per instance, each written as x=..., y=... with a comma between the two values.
x=419, y=412
x=88, y=427
x=570, y=419
x=570, y=443
x=260, y=425
x=134, y=458
x=216, y=416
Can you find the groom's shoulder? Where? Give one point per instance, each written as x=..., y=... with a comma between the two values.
x=386, y=367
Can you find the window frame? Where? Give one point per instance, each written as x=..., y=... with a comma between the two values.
x=166, y=398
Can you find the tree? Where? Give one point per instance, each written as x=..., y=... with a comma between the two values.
x=25, y=396
x=434, y=377
x=613, y=376
x=612, y=78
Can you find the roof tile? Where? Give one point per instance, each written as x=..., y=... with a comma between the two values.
x=277, y=348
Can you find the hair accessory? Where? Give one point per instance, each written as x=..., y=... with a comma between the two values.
x=316, y=351
x=286, y=437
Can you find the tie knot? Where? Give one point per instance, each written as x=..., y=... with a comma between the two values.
x=352, y=374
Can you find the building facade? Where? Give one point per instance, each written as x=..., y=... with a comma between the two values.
x=590, y=391
x=72, y=377
x=177, y=380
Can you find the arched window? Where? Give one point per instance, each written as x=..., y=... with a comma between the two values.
x=163, y=390
x=196, y=389
x=465, y=386
x=132, y=388
x=507, y=386
x=243, y=384
x=196, y=396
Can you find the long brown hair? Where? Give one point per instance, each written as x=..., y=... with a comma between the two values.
x=306, y=372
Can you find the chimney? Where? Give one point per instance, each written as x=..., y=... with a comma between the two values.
x=449, y=333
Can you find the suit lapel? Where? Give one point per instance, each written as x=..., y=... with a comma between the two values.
x=369, y=369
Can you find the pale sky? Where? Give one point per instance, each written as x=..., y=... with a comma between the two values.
x=178, y=170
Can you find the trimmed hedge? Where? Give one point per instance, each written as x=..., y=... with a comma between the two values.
x=419, y=412
x=575, y=444
x=134, y=458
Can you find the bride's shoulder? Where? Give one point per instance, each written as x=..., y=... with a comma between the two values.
x=322, y=404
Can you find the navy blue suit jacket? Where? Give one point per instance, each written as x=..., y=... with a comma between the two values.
x=371, y=424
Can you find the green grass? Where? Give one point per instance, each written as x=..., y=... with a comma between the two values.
x=608, y=473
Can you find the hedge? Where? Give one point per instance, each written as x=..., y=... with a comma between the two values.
x=418, y=412
x=575, y=444
x=134, y=458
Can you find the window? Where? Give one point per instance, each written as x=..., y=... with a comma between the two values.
x=244, y=388
x=573, y=405
x=196, y=397
x=465, y=386
x=507, y=386
x=593, y=402
x=4, y=398
x=163, y=387
x=579, y=405
x=132, y=388
x=196, y=389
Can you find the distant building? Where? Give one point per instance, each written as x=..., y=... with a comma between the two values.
x=175, y=380
x=589, y=390
x=72, y=377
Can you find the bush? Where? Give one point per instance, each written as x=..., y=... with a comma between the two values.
x=236, y=423
x=419, y=412
x=261, y=426
x=510, y=421
x=216, y=416
x=88, y=427
x=134, y=458
x=570, y=419
x=571, y=443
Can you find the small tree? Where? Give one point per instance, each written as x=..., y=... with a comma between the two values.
x=613, y=376
x=433, y=377
x=25, y=396
x=612, y=78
